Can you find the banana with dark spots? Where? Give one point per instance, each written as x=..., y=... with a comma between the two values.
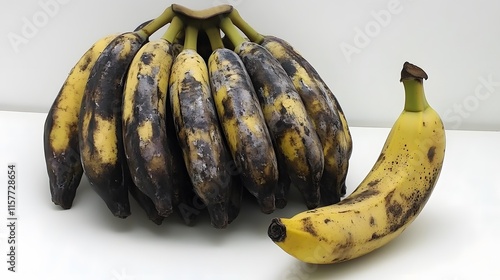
x=60, y=134
x=244, y=126
x=183, y=196
x=199, y=134
x=389, y=198
x=100, y=127
x=323, y=113
x=144, y=128
x=287, y=119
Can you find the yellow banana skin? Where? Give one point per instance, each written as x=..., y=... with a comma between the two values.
x=60, y=137
x=200, y=135
x=100, y=128
x=244, y=126
x=143, y=120
x=324, y=115
x=289, y=124
x=389, y=198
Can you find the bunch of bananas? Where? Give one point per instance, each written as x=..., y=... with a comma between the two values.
x=210, y=110
x=214, y=109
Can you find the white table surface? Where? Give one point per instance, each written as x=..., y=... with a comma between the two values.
x=455, y=237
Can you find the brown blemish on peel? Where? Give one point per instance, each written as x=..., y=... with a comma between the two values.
x=373, y=183
x=308, y=226
x=372, y=221
x=359, y=197
x=431, y=152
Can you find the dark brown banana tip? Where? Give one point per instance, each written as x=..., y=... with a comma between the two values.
x=62, y=198
x=146, y=204
x=63, y=188
x=119, y=209
x=280, y=202
x=267, y=204
x=411, y=71
x=277, y=230
x=218, y=215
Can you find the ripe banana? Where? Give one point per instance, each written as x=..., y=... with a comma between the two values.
x=183, y=195
x=244, y=126
x=287, y=120
x=323, y=113
x=143, y=119
x=389, y=198
x=60, y=137
x=100, y=130
x=198, y=131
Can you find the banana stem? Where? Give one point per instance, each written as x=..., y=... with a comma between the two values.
x=157, y=23
x=413, y=77
x=415, y=100
x=191, y=38
x=248, y=30
x=176, y=25
x=213, y=34
x=231, y=32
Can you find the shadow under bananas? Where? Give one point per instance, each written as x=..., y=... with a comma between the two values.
x=249, y=222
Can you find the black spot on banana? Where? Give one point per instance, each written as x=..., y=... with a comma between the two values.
x=324, y=113
x=100, y=127
x=287, y=119
x=200, y=135
x=244, y=126
x=60, y=139
x=144, y=128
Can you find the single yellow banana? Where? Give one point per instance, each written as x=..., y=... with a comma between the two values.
x=244, y=126
x=60, y=137
x=324, y=115
x=389, y=198
x=198, y=131
x=100, y=129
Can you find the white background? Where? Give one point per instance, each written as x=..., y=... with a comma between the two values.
x=456, y=42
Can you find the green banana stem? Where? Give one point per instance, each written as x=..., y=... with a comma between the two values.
x=157, y=23
x=176, y=26
x=191, y=38
x=213, y=34
x=415, y=100
x=413, y=77
x=248, y=30
x=231, y=32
